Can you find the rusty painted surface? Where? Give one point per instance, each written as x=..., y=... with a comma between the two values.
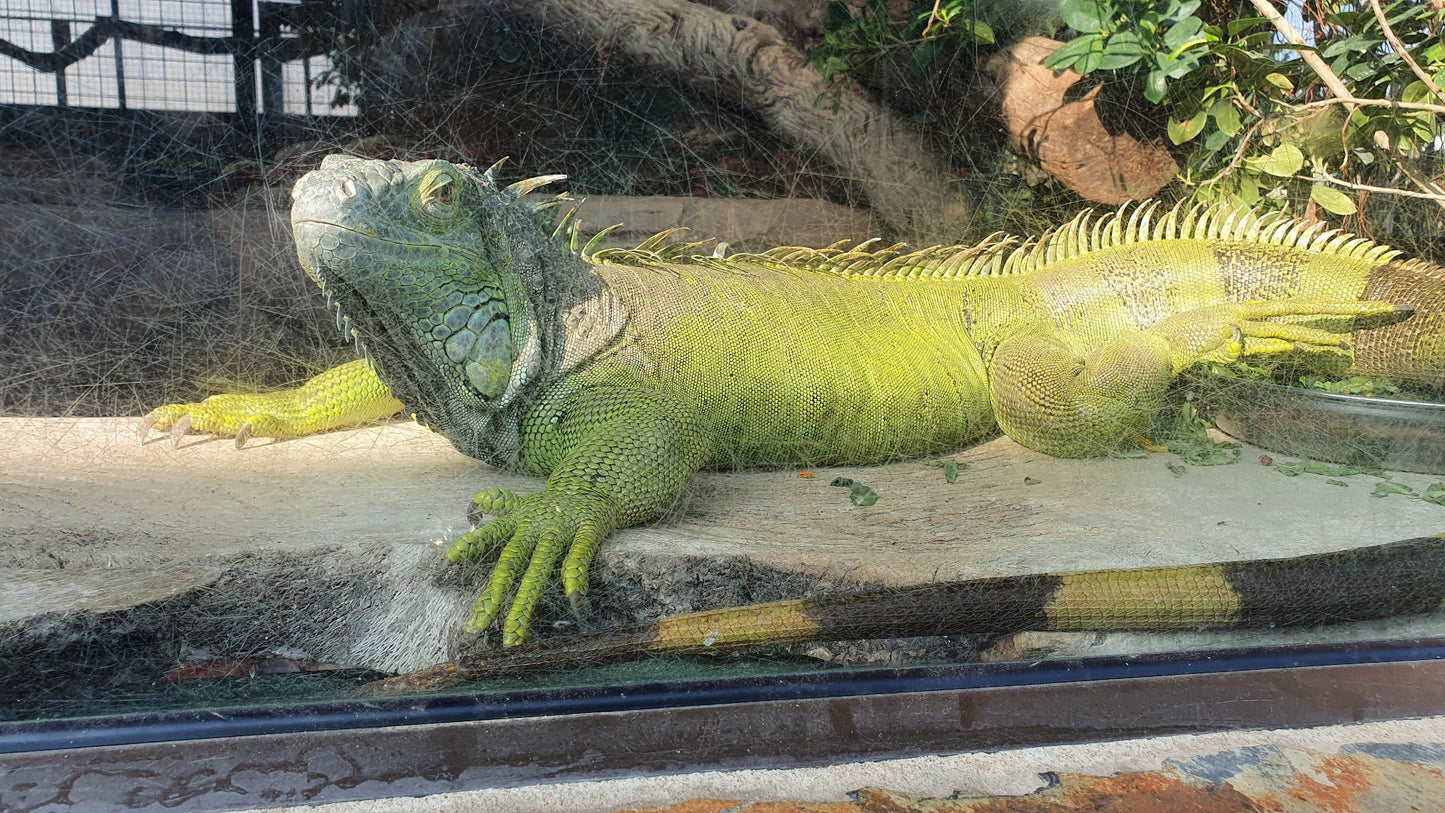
x=1360, y=778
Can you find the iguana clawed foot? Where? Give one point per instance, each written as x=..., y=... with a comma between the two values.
x=178, y=421
x=1225, y=333
x=342, y=396
x=532, y=534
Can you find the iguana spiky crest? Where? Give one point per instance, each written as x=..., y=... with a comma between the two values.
x=1003, y=254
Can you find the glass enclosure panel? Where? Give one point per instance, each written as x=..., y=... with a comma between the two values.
x=929, y=334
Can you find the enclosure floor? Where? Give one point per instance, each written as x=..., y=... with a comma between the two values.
x=93, y=519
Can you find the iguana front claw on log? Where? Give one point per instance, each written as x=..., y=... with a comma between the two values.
x=619, y=373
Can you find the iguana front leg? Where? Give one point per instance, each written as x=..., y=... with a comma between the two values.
x=614, y=456
x=345, y=395
x=1053, y=398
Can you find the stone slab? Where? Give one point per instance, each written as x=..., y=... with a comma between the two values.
x=351, y=525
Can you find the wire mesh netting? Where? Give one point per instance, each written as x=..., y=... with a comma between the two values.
x=128, y=73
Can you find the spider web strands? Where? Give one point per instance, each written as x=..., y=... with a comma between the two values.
x=1001, y=254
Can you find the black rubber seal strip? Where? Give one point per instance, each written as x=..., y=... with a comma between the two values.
x=81, y=732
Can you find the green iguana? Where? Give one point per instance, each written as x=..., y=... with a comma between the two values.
x=618, y=374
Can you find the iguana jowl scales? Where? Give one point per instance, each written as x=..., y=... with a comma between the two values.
x=618, y=374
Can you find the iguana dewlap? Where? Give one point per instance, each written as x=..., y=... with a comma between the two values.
x=617, y=374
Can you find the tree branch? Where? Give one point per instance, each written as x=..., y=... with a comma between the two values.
x=1404, y=52
x=1312, y=59
x=1364, y=187
x=1355, y=101
x=1428, y=185
x=910, y=186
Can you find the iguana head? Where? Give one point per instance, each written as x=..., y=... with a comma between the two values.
x=434, y=271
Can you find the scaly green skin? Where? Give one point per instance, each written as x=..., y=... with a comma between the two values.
x=620, y=375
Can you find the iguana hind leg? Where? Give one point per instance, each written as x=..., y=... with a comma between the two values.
x=1055, y=398
x=345, y=395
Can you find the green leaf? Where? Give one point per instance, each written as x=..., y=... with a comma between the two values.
x=1436, y=493
x=1091, y=59
x=1246, y=189
x=1083, y=15
x=1332, y=200
x=1424, y=129
x=1120, y=51
x=1183, y=130
x=1386, y=489
x=1280, y=81
x=1226, y=117
x=1335, y=470
x=1182, y=65
x=1360, y=70
x=1155, y=86
x=1070, y=52
x=1243, y=24
x=858, y=494
x=1416, y=92
x=1215, y=141
x=1181, y=32
x=950, y=467
x=1282, y=162
x=1290, y=469
x=980, y=31
x=862, y=495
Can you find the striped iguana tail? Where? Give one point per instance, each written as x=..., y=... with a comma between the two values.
x=1356, y=584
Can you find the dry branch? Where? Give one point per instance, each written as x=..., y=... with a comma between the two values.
x=910, y=186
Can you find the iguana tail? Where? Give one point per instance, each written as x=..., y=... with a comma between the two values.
x=1356, y=584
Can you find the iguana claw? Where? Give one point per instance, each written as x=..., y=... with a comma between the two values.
x=183, y=425
x=144, y=430
x=580, y=605
x=244, y=434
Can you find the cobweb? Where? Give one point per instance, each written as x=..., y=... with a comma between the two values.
x=147, y=260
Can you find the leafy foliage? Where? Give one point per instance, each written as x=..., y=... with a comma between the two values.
x=1251, y=112
x=859, y=36
x=1161, y=42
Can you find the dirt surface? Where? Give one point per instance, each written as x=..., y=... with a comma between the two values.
x=331, y=546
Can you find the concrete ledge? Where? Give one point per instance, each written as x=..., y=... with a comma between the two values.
x=330, y=546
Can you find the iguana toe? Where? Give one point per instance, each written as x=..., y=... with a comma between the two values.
x=493, y=502
x=476, y=544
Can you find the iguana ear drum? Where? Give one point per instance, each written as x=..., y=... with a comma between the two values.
x=1411, y=348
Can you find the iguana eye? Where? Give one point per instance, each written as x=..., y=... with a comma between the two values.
x=438, y=195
